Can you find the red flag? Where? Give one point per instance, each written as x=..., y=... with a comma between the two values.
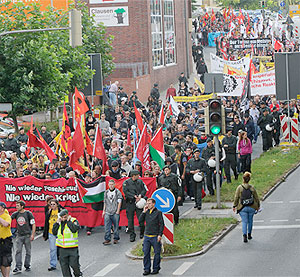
x=89, y=144
x=213, y=16
x=277, y=45
x=142, y=150
x=80, y=105
x=128, y=138
x=77, y=146
x=138, y=117
x=66, y=138
x=206, y=16
x=161, y=115
x=50, y=154
x=99, y=151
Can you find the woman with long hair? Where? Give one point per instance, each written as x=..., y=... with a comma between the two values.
x=246, y=203
x=245, y=151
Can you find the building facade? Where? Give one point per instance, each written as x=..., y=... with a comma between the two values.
x=152, y=42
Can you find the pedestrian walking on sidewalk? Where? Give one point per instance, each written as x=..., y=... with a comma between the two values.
x=246, y=203
x=153, y=234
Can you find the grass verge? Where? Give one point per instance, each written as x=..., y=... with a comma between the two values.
x=190, y=235
x=267, y=170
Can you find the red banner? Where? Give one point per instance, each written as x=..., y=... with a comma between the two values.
x=34, y=191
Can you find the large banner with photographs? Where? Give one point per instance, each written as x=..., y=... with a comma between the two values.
x=259, y=43
x=217, y=64
x=261, y=84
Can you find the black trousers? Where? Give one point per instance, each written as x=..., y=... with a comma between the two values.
x=267, y=141
x=130, y=210
x=230, y=162
x=246, y=163
x=69, y=257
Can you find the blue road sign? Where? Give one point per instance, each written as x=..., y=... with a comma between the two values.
x=282, y=4
x=165, y=200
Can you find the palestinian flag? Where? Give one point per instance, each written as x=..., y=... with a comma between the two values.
x=92, y=192
x=157, y=151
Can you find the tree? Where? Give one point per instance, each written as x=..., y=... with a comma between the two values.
x=38, y=69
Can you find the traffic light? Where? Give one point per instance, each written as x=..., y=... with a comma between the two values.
x=262, y=3
x=215, y=116
x=75, y=28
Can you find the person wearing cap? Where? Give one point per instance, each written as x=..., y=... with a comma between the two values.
x=182, y=79
x=229, y=144
x=170, y=181
x=25, y=235
x=194, y=166
x=66, y=229
x=154, y=93
x=134, y=190
x=116, y=171
x=207, y=153
x=11, y=144
x=264, y=120
x=277, y=126
x=6, y=238
x=139, y=168
x=22, y=138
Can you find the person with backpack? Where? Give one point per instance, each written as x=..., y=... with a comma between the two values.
x=25, y=235
x=246, y=203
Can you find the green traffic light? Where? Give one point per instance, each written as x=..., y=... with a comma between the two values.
x=215, y=130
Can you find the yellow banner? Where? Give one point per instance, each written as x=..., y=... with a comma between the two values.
x=193, y=98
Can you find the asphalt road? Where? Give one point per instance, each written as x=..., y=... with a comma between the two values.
x=272, y=252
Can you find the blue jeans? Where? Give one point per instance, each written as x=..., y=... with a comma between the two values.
x=247, y=214
x=53, y=250
x=148, y=242
x=113, y=98
x=108, y=221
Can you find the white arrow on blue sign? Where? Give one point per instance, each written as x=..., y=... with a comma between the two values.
x=282, y=4
x=165, y=200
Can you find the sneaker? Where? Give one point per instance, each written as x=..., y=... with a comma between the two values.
x=51, y=268
x=17, y=271
x=116, y=241
x=27, y=269
x=88, y=233
x=192, y=198
x=106, y=242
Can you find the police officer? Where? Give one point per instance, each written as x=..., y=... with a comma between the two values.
x=264, y=120
x=207, y=153
x=134, y=190
x=229, y=144
x=170, y=181
x=276, y=120
x=194, y=166
x=66, y=229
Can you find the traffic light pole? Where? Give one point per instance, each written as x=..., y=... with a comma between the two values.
x=218, y=179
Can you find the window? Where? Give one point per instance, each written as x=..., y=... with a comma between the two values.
x=169, y=31
x=157, y=33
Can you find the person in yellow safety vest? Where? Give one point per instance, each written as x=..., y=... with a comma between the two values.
x=66, y=229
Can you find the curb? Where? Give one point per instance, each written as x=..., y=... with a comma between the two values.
x=205, y=248
x=283, y=178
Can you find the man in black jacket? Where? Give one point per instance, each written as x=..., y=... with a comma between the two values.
x=229, y=143
x=153, y=234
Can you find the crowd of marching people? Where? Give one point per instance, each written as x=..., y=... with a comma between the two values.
x=229, y=25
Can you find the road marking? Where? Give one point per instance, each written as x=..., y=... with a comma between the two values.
x=297, y=219
x=274, y=202
x=279, y=220
x=183, y=268
x=89, y=265
x=38, y=236
x=295, y=201
x=106, y=270
x=258, y=221
x=276, y=227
